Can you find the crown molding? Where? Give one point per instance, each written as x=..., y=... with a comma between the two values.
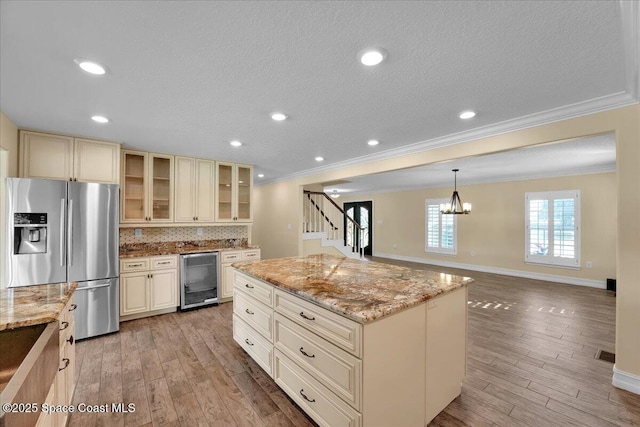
x=630, y=15
x=630, y=21
x=604, y=103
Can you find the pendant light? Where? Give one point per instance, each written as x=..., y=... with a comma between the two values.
x=455, y=205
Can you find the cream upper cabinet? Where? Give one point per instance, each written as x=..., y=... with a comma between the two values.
x=146, y=187
x=233, y=195
x=51, y=156
x=96, y=161
x=194, y=190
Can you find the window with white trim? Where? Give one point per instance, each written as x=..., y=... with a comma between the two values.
x=440, y=230
x=552, y=227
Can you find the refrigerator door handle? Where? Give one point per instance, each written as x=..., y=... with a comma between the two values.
x=69, y=232
x=89, y=288
x=62, y=251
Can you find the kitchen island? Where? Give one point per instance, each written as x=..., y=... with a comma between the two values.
x=353, y=342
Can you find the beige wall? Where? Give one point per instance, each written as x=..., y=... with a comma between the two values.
x=9, y=141
x=625, y=122
x=494, y=231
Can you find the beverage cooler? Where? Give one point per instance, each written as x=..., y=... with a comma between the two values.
x=198, y=280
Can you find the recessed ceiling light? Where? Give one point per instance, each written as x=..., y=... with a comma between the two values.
x=372, y=57
x=260, y=175
x=236, y=143
x=319, y=159
x=278, y=117
x=100, y=119
x=373, y=142
x=467, y=114
x=90, y=66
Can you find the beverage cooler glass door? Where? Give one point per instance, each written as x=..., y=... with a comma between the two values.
x=198, y=279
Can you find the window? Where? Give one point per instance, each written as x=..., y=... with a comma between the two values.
x=440, y=230
x=552, y=227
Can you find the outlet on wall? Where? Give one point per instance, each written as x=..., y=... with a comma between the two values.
x=589, y=264
x=199, y=231
x=137, y=232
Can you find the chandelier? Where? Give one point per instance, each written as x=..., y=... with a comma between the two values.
x=455, y=205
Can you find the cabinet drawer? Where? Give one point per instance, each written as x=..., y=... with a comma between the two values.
x=159, y=263
x=251, y=255
x=134, y=264
x=315, y=399
x=254, y=344
x=336, y=329
x=335, y=368
x=231, y=256
x=257, y=315
x=261, y=291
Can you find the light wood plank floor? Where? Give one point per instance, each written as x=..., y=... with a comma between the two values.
x=531, y=361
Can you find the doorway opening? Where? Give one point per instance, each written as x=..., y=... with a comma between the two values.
x=362, y=213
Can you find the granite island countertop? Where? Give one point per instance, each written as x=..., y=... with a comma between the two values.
x=134, y=250
x=33, y=305
x=358, y=289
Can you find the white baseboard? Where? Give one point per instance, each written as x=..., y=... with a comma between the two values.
x=600, y=284
x=626, y=381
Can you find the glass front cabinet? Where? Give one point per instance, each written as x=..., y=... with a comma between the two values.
x=233, y=196
x=147, y=187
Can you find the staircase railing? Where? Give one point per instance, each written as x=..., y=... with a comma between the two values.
x=329, y=218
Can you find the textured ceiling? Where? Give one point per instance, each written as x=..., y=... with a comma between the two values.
x=585, y=155
x=187, y=77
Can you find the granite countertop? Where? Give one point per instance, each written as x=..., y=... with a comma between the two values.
x=134, y=250
x=33, y=305
x=358, y=289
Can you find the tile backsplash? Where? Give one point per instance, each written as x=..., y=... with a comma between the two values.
x=177, y=234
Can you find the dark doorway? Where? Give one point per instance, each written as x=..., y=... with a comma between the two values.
x=362, y=213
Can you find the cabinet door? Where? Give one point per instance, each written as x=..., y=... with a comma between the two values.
x=185, y=189
x=164, y=289
x=243, y=198
x=205, y=189
x=227, y=281
x=46, y=156
x=133, y=190
x=160, y=187
x=96, y=161
x=225, y=196
x=134, y=294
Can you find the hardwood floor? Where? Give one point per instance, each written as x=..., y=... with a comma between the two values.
x=531, y=361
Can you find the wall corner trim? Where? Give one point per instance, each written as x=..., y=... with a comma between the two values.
x=600, y=284
x=626, y=381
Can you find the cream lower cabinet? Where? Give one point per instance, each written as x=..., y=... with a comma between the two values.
x=399, y=370
x=63, y=387
x=148, y=286
x=49, y=156
x=227, y=258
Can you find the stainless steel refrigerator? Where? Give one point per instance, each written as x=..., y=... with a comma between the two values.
x=59, y=231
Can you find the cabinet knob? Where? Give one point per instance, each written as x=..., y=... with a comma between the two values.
x=66, y=364
x=70, y=340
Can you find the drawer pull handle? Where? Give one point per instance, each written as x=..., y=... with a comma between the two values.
x=249, y=286
x=73, y=307
x=70, y=340
x=305, y=353
x=135, y=265
x=66, y=364
x=305, y=396
x=247, y=341
x=248, y=311
x=165, y=262
x=304, y=316
x=65, y=325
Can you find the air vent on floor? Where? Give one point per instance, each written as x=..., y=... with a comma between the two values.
x=606, y=356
